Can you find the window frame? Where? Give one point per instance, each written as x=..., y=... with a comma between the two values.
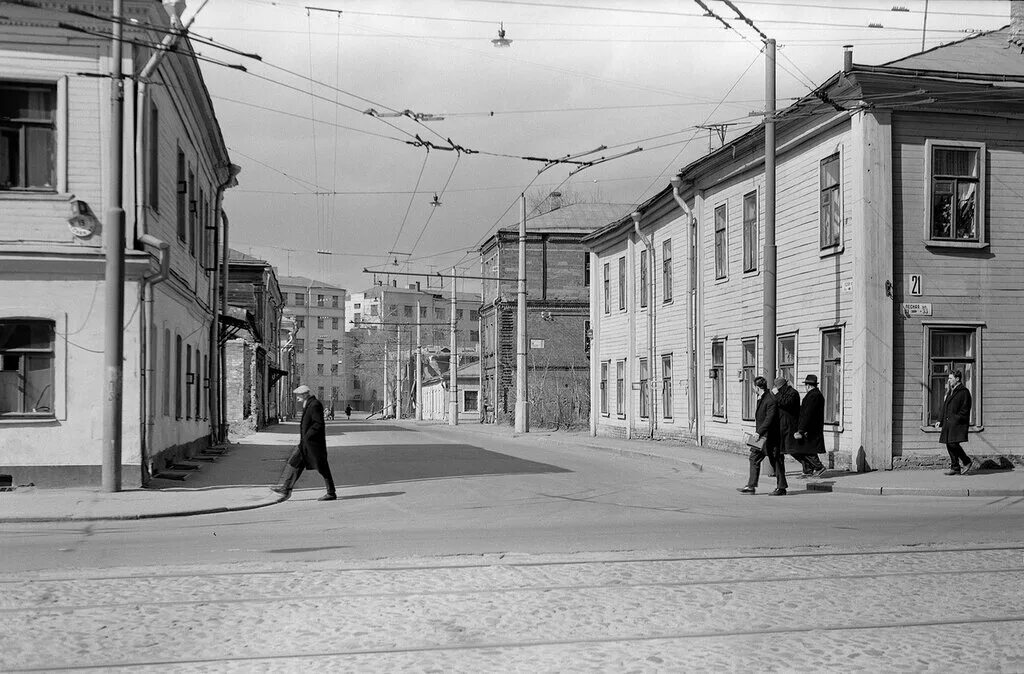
x=977, y=329
x=620, y=389
x=751, y=233
x=644, y=284
x=719, y=397
x=666, y=271
x=828, y=247
x=930, y=145
x=607, y=288
x=721, y=256
x=749, y=369
x=466, y=393
x=56, y=138
x=795, y=336
x=23, y=355
x=622, y=283
x=644, y=373
x=603, y=385
x=667, y=411
x=824, y=332
x=154, y=157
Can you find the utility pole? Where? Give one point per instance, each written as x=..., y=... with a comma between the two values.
x=522, y=409
x=399, y=383
x=453, y=364
x=419, y=365
x=113, y=351
x=770, y=250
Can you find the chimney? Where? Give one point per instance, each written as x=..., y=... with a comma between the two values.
x=847, y=58
x=1017, y=23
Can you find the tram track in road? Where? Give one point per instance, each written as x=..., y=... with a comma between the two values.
x=424, y=611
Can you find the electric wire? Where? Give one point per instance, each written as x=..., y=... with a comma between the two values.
x=441, y=194
x=426, y=156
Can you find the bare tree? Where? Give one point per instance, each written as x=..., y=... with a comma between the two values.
x=544, y=201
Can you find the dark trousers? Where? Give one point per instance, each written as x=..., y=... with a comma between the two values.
x=776, y=460
x=296, y=464
x=810, y=462
x=957, y=455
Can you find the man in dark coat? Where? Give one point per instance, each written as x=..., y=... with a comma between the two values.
x=766, y=419
x=810, y=429
x=787, y=405
x=311, y=451
x=954, y=420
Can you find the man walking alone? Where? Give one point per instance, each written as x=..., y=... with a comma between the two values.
x=311, y=451
x=954, y=420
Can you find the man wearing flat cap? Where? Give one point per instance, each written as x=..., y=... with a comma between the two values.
x=311, y=451
x=810, y=429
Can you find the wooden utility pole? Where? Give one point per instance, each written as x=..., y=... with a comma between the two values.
x=522, y=408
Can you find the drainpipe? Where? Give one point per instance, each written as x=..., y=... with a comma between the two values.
x=650, y=321
x=691, y=292
x=147, y=393
x=218, y=290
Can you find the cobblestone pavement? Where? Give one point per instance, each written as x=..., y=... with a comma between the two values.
x=919, y=609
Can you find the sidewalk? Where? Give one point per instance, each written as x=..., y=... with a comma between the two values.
x=240, y=478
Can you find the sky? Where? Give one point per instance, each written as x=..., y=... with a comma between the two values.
x=327, y=189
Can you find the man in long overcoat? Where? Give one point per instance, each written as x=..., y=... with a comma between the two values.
x=311, y=451
x=954, y=420
x=787, y=405
x=766, y=420
x=809, y=436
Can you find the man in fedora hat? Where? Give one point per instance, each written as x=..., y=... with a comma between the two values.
x=810, y=429
x=311, y=451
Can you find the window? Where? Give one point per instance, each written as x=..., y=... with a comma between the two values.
x=206, y=387
x=154, y=159
x=300, y=299
x=334, y=368
x=28, y=136
x=955, y=174
x=474, y=335
x=189, y=378
x=586, y=269
x=474, y=315
x=181, y=193
x=355, y=382
x=951, y=349
x=321, y=300
x=470, y=401
x=26, y=368
x=604, y=387
x=458, y=314
x=334, y=393
x=438, y=313
x=201, y=229
x=177, y=377
x=320, y=368
x=666, y=270
x=588, y=335
x=786, y=358
x=622, y=283
x=831, y=202
x=300, y=322
x=167, y=373
x=334, y=346
x=831, y=374
x=320, y=392
x=750, y=233
x=620, y=388
x=334, y=301
x=721, y=262
x=198, y=378
x=718, y=379
x=607, y=288
x=666, y=386
x=374, y=309
x=300, y=345
x=319, y=322
x=423, y=312
x=644, y=389
x=191, y=213
x=334, y=324
x=320, y=345
x=407, y=311
x=643, y=278
x=748, y=395
x=356, y=318
x=357, y=305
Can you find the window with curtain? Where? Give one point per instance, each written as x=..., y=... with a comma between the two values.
x=786, y=358
x=27, y=368
x=749, y=374
x=28, y=136
x=955, y=178
x=831, y=374
x=721, y=259
x=831, y=212
x=951, y=349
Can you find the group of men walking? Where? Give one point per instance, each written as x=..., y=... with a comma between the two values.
x=786, y=425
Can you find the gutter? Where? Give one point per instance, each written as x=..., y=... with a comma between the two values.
x=650, y=321
x=147, y=395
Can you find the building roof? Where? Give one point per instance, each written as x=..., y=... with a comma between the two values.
x=239, y=256
x=578, y=217
x=303, y=282
x=987, y=53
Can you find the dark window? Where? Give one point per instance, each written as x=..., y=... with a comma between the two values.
x=831, y=374
x=955, y=176
x=721, y=262
x=26, y=368
x=831, y=202
x=604, y=388
x=666, y=386
x=586, y=269
x=470, y=401
x=645, y=389
x=749, y=396
x=666, y=270
x=177, y=377
x=643, y=278
x=718, y=379
x=189, y=378
x=300, y=299
x=750, y=234
x=181, y=195
x=622, y=283
x=607, y=288
x=192, y=206
x=787, y=358
x=620, y=387
x=154, y=159
x=28, y=146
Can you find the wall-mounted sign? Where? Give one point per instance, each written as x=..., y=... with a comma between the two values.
x=915, y=285
x=848, y=286
x=536, y=343
x=917, y=309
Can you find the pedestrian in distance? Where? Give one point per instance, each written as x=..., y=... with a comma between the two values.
x=348, y=411
x=766, y=418
x=311, y=451
x=787, y=406
x=954, y=420
x=330, y=412
x=809, y=436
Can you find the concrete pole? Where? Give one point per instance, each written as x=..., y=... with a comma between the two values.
x=770, y=251
x=399, y=381
x=522, y=408
x=113, y=351
x=453, y=364
x=419, y=365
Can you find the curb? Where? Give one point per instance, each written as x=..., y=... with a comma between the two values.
x=145, y=516
x=911, y=491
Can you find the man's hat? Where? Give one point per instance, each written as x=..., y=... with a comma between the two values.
x=780, y=381
x=301, y=389
x=811, y=379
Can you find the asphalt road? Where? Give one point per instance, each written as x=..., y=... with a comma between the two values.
x=427, y=492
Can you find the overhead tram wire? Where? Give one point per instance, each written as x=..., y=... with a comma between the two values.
x=415, y=189
x=423, y=229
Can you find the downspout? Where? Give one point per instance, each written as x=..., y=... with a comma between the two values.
x=218, y=289
x=691, y=293
x=651, y=414
x=147, y=394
